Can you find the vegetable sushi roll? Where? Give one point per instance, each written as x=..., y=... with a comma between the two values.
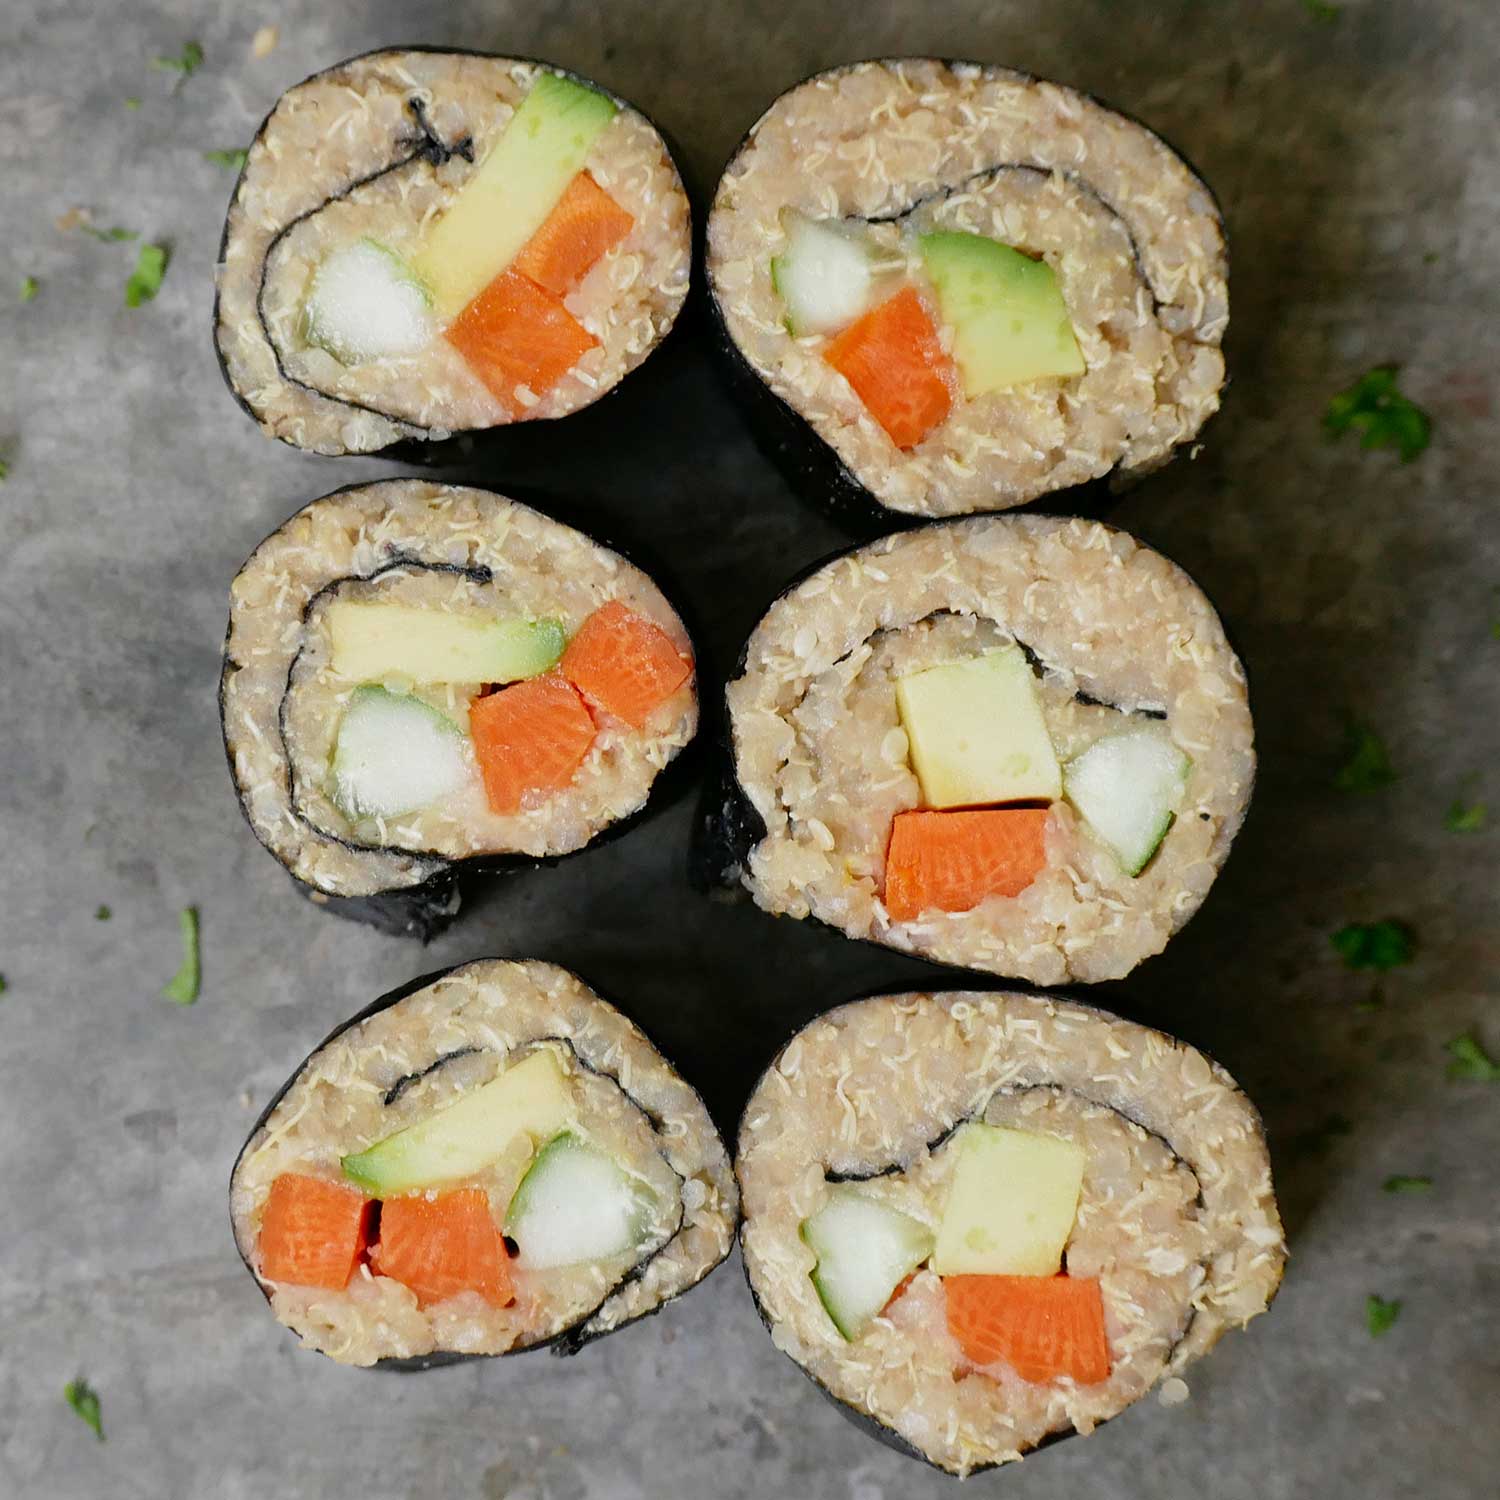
x=1013, y=743
x=981, y=1221
x=972, y=286
x=418, y=676
x=423, y=243
x=483, y=1162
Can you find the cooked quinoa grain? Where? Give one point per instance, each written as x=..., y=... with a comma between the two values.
x=1177, y=1217
x=902, y=147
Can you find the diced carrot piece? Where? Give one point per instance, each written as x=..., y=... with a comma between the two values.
x=892, y=358
x=513, y=334
x=623, y=663
x=950, y=861
x=584, y=227
x=444, y=1245
x=1041, y=1326
x=313, y=1231
x=531, y=737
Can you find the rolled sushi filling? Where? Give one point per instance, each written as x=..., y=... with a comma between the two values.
x=1016, y=745
x=491, y=242
x=976, y=287
x=1058, y=1244
x=464, y=678
x=449, y=1178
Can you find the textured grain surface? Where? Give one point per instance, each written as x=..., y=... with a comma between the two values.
x=1346, y=153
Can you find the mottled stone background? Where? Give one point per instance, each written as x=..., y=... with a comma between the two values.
x=1356, y=157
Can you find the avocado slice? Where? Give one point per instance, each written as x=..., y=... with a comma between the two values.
x=865, y=1251
x=1011, y=1203
x=1009, y=320
x=513, y=190
x=976, y=732
x=465, y=1138
x=575, y=1205
x=378, y=640
x=1127, y=788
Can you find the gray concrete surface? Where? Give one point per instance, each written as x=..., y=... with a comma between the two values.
x=1356, y=158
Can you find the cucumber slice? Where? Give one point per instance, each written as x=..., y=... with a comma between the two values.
x=865, y=1251
x=1127, y=788
x=394, y=754
x=366, y=303
x=825, y=275
x=575, y=1205
x=464, y=1139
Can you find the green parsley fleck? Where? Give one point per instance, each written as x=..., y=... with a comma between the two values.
x=1471, y=1063
x=103, y=914
x=1430, y=258
x=1373, y=407
x=132, y=102
x=1321, y=10
x=30, y=286
x=3, y=985
x=145, y=280
x=1380, y=1314
x=4, y=470
x=183, y=990
x=1403, y=1184
x=1465, y=817
x=1367, y=764
x=1375, y=945
x=187, y=63
x=110, y=236
x=230, y=160
x=84, y=1400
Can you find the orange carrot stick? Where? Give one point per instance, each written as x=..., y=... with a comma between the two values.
x=442, y=1246
x=1041, y=1326
x=585, y=226
x=950, y=861
x=313, y=1232
x=623, y=663
x=515, y=334
x=892, y=358
x=531, y=737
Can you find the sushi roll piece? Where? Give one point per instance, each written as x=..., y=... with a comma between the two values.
x=983, y=1221
x=949, y=288
x=488, y=1160
x=425, y=243
x=1020, y=744
x=423, y=677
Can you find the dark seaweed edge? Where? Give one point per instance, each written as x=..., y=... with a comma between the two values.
x=881, y=1431
x=806, y=460
x=406, y=442
x=427, y=907
x=575, y=1336
x=724, y=829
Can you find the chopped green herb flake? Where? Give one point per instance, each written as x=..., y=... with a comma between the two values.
x=1375, y=945
x=1402, y=1184
x=183, y=990
x=84, y=1400
x=1465, y=817
x=4, y=471
x=145, y=280
x=1367, y=764
x=1430, y=258
x=232, y=160
x=110, y=236
x=132, y=102
x=1321, y=10
x=30, y=286
x=187, y=63
x=3, y=985
x=1380, y=1314
x=103, y=914
x=1373, y=407
x=1471, y=1063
